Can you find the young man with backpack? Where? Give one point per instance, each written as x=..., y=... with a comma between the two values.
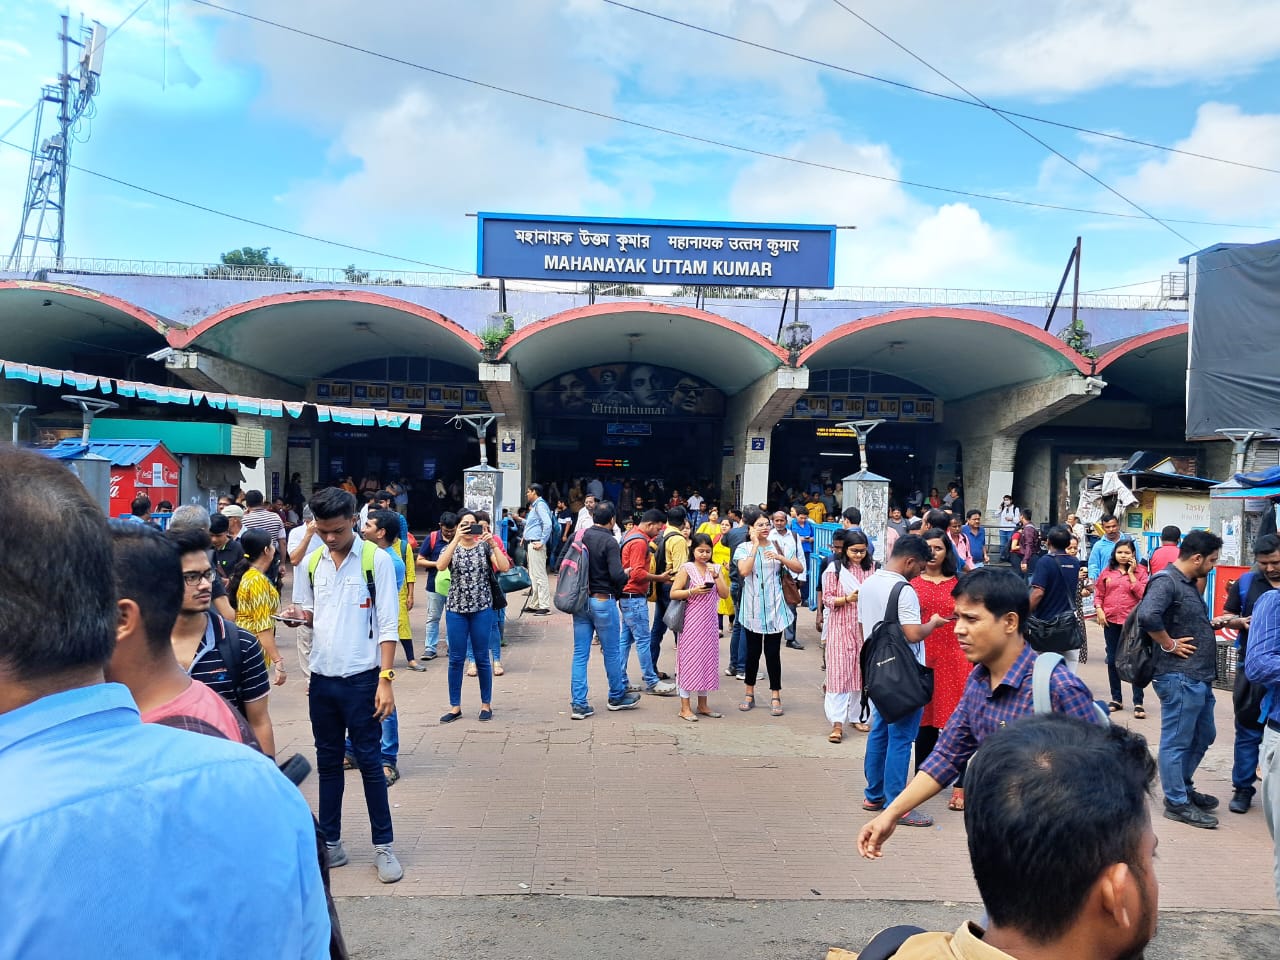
x=1247, y=696
x=428, y=555
x=670, y=550
x=992, y=607
x=353, y=649
x=634, y=604
x=211, y=648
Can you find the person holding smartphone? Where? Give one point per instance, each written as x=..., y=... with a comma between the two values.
x=702, y=585
x=1117, y=591
x=764, y=613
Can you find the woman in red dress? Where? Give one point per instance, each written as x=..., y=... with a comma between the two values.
x=941, y=651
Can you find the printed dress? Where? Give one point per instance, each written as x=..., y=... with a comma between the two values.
x=698, y=653
x=941, y=651
x=843, y=632
x=763, y=609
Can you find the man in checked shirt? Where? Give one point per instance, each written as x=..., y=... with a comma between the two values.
x=992, y=604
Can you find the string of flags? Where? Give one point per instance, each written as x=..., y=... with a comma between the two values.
x=234, y=403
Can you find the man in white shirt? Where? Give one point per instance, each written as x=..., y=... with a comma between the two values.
x=695, y=509
x=1008, y=516
x=888, y=756
x=353, y=648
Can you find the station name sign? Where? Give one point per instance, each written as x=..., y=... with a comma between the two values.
x=682, y=252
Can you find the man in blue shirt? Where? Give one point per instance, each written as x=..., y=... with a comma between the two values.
x=1100, y=552
x=380, y=528
x=537, y=538
x=1262, y=666
x=84, y=759
x=977, y=536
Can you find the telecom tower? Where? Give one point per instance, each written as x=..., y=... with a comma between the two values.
x=45, y=205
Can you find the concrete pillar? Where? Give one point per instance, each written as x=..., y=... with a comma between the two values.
x=507, y=396
x=988, y=427
x=219, y=375
x=749, y=421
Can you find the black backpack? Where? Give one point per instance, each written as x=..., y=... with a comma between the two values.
x=226, y=638
x=1135, y=658
x=892, y=678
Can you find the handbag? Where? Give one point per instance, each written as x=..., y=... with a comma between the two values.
x=790, y=590
x=514, y=579
x=892, y=678
x=674, y=616
x=1057, y=635
x=497, y=599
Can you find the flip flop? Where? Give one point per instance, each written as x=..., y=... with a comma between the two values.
x=497, y=670
x=835, y=736
x=471, y=670
x=391, y=773
x=957, y=800
x=1115, y=706
x=862, y=727
x=873, y=806
x=690, y=719
x=1139, y=713
x=710, y=713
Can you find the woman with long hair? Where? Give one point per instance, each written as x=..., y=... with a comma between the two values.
x=1116, y=592
x=721, y=556
x=840, y=584
x=468, y=557
x=941, y=650
x=255, y=598
x=498, y=629
x=699, y=583
x=763, y=610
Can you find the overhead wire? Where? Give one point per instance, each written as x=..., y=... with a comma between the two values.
x=827, y=65
x=696, y=138
x=1013, y=123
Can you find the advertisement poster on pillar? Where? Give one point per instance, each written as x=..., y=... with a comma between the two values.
x=628, y=389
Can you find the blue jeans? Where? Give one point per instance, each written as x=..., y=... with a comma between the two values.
x=598, y=617
x=659, y=627
x=635, y=632
x=390, y=744
x=888, y=758
x=495, y=637
x=1186, y=731
x=1248, y=745
x=1006, y=537
x=737, y=639
x=338, y=705
x=469, y=631
x=435, y=608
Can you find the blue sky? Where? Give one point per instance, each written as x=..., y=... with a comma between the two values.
x=306, y=136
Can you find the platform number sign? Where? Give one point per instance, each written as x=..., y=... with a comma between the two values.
x=757, y=443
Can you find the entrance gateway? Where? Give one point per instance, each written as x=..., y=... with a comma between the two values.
x=638, y=394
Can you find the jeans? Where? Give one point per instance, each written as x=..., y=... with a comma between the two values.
x=339, y=705
x=659, y=627
x=889, y=755
x=1186, y=731
x=469, y=632
x=597, y=617
x=1006, y=537
x=1271, y=792
x=435, y=607
x=495, y=638
x=1244, y=771
x=1112, y=633
x=737, y=636
x=390, y=744
x=635, y=632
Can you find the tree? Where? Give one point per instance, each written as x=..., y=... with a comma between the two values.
x=252, y=261
x=719, y=293
x=353, y=275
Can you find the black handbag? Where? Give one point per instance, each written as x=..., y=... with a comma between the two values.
x=498, y=598
x=892, y=678
x=1060, y=634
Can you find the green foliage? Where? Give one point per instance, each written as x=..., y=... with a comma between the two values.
x=252, y=261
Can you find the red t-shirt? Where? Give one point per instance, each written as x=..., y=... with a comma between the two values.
x=1163, y=556
x=199, y=706
x=635, y=556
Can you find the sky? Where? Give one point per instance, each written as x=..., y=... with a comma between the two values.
x=304, y=135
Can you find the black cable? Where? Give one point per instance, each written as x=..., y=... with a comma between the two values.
x=252, y=223
x=932, y=93
x=546, y=101
x=1013, y=123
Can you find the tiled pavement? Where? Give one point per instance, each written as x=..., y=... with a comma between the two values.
x=640, y=803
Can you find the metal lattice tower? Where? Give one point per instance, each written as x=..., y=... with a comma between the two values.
x=44, y=206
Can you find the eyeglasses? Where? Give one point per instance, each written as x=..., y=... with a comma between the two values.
x=192, y=577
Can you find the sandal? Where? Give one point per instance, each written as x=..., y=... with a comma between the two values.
x=497, y=669
x=471, y=670
x=748, y=702
x=391, y=773
x=957, y=800
x=914, y=818
x=1139, y=713
x=710, y=713
x=690, y=717
x=873, y=805
x=348, y=762
x=836, y=735
x=862, y=727
x=1115, y=706
x=775, y=707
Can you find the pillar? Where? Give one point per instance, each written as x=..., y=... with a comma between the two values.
x=514, y=429
x=752, y=414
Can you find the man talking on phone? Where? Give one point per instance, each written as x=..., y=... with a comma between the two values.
x=352, y=605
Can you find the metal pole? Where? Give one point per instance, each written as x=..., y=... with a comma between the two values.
x=15, y=411
x=1075, y=292
x=502, y=295
x=64, y=125
x=1061, y=284
x=786, y=298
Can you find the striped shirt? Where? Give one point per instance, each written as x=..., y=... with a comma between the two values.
x=209, y=667
x=762, y=608
x=982, y=710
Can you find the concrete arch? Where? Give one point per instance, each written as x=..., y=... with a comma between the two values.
x=327, y=329
x=49, y=323
x=1173, y=336
x=954, y=352
x=725, y=354
x=1151, y=366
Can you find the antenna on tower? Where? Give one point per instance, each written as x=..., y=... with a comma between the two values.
x=44, y=206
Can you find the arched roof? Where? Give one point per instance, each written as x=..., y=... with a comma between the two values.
x=1152, y=366
x=301, y=336
x=725, y=354
x=49, y=323
x=953, y=352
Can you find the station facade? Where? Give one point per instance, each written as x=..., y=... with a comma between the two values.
x=732, y=394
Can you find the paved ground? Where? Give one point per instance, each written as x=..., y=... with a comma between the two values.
x=642, y=804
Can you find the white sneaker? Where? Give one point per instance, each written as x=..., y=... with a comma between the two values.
x=389, y=869
x=663, y=688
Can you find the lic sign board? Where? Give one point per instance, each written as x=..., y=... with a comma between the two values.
x=683, y=252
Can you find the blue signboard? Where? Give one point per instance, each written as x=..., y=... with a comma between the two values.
x=681, y=252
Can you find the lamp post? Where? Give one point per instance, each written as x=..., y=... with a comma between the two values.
x=867, y=491
x=15, y=411
x=90, y=407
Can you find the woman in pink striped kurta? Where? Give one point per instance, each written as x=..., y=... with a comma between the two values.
x=844, y=636
x=702, y=585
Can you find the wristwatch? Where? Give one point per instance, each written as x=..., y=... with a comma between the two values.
x=387, y=675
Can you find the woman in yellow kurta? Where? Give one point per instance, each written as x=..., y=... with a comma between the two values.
x=711, y=527
x=256, y=599
x=720, y=555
